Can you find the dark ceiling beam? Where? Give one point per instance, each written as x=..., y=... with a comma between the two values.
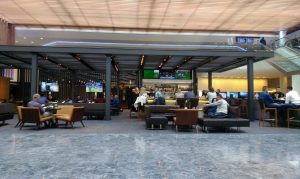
x=164, y=62
x=206, y=61
x=184, y=61
x=114, y=65
x=50, y=59
x=10, y=65
x=293, y=29
x=79, y=59
x=15, y=57
x=141, y=62
x=231, y=52
x=224, y=66
x=20, y=59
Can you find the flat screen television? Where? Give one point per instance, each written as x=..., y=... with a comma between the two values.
x=151, y=74
x=233, y=95
x=243, y=95
x=183, y=74
x=224, y=94
x=53, y=87
x=93, y=87
x=165, y=74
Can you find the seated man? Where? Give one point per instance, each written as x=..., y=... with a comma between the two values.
x=268, y=100
x=43, y=99
x=278, y=94
x=34, y=103
x=292, y=97
x=115, y=102
x=222, y=107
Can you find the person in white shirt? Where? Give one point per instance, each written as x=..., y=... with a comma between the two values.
x=211, y=95
x=179, y=94
x=141, y=99
x=222, y=107
x=292, y=97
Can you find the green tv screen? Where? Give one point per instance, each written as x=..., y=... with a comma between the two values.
x=183, y=74
x=151, y=74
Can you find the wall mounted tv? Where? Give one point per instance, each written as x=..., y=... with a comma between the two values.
x=151, y=74
x=53, y=87
x=94, y=87
x=165, y=74
x=183, y=74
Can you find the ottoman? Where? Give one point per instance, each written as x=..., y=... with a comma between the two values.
x=158, y=121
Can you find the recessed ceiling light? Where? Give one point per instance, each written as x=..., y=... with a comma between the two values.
x=32, y=42
x=17, y=41
x=24, y=37
x=41, y=38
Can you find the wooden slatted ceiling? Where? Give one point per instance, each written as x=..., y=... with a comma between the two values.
x=173, y=15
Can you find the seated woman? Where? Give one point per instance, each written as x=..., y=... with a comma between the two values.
x=222, y=107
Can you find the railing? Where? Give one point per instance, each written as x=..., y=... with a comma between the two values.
x=285, y=42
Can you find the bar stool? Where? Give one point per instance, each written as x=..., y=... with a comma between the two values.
x=263, y=112
x=288, y=115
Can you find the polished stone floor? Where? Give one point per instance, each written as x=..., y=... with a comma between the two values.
x=126, y=150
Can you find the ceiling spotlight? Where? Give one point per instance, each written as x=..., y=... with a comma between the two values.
x=41, y=38
x=24, y=37
x=17, y=41
x=32, y=42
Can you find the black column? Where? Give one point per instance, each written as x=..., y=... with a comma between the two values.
x=250, y=89
x=107, y=87
x=140, y=78
x=73, y=82
x=195, y=81
x=34, y=74
x=118, y=85
x=209, y=80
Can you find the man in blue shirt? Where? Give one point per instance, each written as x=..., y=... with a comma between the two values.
x=269, y=102
x=189, y=94
x=43, y=99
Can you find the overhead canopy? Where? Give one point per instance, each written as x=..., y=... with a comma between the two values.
x=128, y=61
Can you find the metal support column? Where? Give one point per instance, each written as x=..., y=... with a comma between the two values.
x=195, y=81
x=107, y=87
x=73, y=82
x=118, y=85
x=137, y=79
x=250, y=89
x=140, y=78
x=34, y=74
x=209, y=80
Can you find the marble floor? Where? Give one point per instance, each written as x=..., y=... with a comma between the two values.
x=127, y=150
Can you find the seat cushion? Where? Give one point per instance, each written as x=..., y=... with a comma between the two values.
x=225, y=122
x=48, y=118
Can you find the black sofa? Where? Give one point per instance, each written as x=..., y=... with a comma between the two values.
x=7, y=111
x=234, y=120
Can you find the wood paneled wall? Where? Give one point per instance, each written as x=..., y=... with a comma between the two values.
x=4, y=88
x=7, y=33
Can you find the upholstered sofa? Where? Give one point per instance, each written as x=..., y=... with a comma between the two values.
x=155, y=115
x=90, y=109
x=7, y=111
x=233, y=120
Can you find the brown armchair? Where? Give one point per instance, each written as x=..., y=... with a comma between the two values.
x=76, y=114
x=19, y=113
x=186, y=117
x=32, y=115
